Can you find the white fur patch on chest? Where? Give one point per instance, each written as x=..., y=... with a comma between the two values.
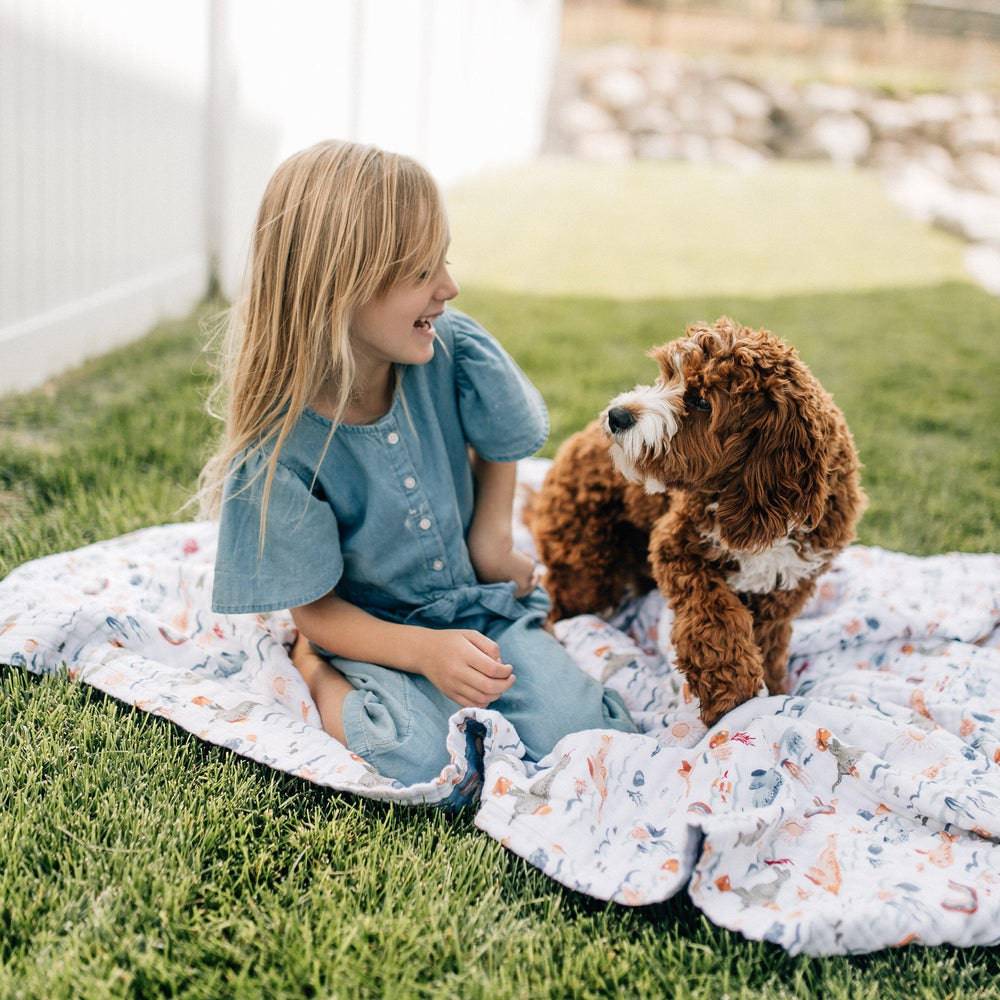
x=780, y=567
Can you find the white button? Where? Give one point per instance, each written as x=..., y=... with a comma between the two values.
x=425, y=523
x=409, y=482
x=437, y=564
x=393, y=438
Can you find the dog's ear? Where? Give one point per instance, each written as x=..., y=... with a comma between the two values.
x=783, y=477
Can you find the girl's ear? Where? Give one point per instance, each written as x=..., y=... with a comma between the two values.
x=783, y=481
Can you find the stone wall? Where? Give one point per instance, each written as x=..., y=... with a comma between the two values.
x=940, y=153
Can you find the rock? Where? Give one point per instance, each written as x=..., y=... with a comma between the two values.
x=977, y=218
x=695, y=148
x=925, y=195
x=890, y=119
x=592, y=63
x=934, y=114
x=922, y=193
x=689, y=107
x=977, y=104
x=936, y=109
x=756, y=132
x=718, y=119
x=743, y=100
x=846, y=139
x=972, y=134
x=736, y=154
x=936, y=158
x=782, y=95
x=827, y=98
x=657, y=147
x=584, y=116
x=983, y=263
x=790, y=121
x=619, y=89
x=982, y=170
x=664, y=74
x=888, y=154
x=607, y=147
x=649, y=118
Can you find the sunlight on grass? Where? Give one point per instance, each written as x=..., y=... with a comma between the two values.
x=650, y=230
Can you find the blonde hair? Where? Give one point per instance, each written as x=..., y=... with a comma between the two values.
x=339, y=224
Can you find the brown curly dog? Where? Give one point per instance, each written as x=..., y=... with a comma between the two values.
x=730, y=484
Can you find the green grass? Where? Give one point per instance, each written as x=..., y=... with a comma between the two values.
x=136, y=860
x=656, y=230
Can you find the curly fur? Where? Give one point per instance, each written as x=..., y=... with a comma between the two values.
x=732, y=490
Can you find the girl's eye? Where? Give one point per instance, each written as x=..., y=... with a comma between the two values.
x=425, y=275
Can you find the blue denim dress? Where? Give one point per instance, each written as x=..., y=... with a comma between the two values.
x=383, y=521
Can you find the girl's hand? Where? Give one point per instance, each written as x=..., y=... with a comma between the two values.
x=495, y=560
x=465, y=666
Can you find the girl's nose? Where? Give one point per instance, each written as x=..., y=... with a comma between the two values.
x=449, y=289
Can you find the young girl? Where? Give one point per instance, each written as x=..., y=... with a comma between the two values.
x=367, y=471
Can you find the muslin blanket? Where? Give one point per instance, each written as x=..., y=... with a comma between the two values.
x=859, y=812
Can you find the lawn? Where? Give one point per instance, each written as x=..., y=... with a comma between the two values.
x=136, y=860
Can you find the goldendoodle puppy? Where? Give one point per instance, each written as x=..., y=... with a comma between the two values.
x=730, y=484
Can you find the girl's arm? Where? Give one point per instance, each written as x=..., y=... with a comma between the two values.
x=462, y=663
x=491, y=538
x=351, y=632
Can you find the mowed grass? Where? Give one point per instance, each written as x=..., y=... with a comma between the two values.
x=656, y=230
x=136, y=860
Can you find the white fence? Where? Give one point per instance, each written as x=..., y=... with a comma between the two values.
x=136, y=138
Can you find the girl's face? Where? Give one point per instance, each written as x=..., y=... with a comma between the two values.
x=399, y=326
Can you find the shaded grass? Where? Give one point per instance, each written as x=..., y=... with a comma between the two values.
x=137, y=861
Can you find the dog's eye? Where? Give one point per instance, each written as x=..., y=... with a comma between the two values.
x=696, y=402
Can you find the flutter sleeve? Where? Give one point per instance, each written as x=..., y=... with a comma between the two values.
x=301, y=560
x=503, y=415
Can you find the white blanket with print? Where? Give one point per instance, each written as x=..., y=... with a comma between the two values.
x=862, y=811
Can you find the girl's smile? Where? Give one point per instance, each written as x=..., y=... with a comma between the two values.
x=399, y=327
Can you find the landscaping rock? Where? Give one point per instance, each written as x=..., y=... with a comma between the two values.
x=650, y=118
x=922, y=193
x=975, y=134
x=891, y=119
x=935, y=158
x=743, y=100
x=826, y=98
x=737, y=154
x=658, y=147
x=983, y=263
x=608, y=147
x=695, y=148
x=935, y=113
x=982, y=170
x=977, y=104
x=940, y=152
x=620, y=89
x=844, y=138
x=580, y=116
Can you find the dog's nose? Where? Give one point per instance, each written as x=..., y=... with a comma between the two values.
x=620, y=419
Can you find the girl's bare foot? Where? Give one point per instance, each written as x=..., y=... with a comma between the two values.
x=327, y=685
x=306, y=661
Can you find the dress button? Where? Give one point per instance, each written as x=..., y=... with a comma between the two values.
x=409, y=482
x=438, y=564
x=425, y=523
x=393, y=438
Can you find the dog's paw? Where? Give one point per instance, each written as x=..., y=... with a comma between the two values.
x=716, y=701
